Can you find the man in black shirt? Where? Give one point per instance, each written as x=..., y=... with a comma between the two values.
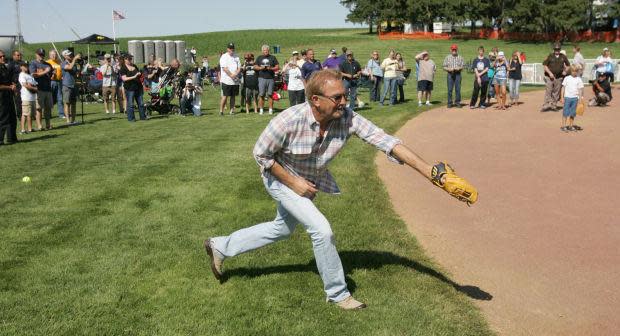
x=14, y=67
x=8, y=120
x=351, y=71
x=250, y=83
x=602, y=91
x=266, y=65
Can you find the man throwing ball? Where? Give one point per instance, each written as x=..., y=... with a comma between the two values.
x=293, y=153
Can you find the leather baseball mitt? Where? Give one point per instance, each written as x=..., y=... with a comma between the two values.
x=453, y=184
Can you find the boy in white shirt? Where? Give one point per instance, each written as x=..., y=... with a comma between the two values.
x=28, y=94
x=572, y=92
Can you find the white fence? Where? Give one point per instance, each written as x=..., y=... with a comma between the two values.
x=534, y=73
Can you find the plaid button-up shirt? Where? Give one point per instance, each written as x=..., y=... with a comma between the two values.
x=453, y=61
x=293, y=140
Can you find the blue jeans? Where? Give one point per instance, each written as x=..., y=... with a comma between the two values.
x=375, y=89
x=389, y=83
x=570, y=107
x=454, y=83
x=292, y=209
x=137, y=96
x=350, y=90
x=57, y=95
x=514, y=88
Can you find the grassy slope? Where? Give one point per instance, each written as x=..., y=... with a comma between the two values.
x=107, y=238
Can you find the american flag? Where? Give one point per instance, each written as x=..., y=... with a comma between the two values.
x=116, y=15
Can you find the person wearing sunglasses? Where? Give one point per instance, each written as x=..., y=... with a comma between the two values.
x=8, y=118
x=293, y=153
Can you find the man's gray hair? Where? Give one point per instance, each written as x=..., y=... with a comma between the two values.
x=264, y=47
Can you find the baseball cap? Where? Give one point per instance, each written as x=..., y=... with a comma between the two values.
x=605, y=49
x=189, y=81
x=67, y=52
x=333, y=51
x=40, y=52
x=295, y=52
x=230, y=45
x=349, y=52
x=557, y=46
x=107, y=56
x=454, y=47
x=500, y=54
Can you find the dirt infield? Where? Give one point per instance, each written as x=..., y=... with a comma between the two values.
x=544, y=238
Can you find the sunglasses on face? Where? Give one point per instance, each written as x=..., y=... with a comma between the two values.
x=335, y=99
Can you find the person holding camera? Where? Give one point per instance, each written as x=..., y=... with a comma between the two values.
x=190, y=98
x=108, y=85
x=69, y=89
x=133, y=88
x=267, y=66
x=296, y=89
x=351, y=71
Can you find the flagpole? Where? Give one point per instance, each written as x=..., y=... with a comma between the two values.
x=114, y=31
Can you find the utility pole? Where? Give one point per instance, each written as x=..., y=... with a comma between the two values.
x=19, y=27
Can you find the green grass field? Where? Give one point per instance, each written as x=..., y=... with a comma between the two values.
x=107, y=238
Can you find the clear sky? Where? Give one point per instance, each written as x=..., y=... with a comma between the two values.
x=52, y=20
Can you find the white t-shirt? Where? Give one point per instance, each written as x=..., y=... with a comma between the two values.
x=571, y=86
x=25, y=93
x=232, y=64
x=294, y=79
x=604, y=64
x=109, y=75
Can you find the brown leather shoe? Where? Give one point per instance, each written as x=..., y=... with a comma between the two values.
x=350, y=303
x=216, y=262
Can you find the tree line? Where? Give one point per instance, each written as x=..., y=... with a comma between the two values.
x=511, y=15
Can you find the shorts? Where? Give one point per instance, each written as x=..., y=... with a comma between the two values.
x=425, y=85
x=265, y=87
x=29, y=108
x=230, y=90
x=69, y=95
x=570, y=107
x=109, y=91
x=45, y=101
x=251, y=94
x=500, y=81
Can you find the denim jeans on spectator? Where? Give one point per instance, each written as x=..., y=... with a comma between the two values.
x=137, y=96
x=57, y=95
x=375, y=89
x=292, y=209
x=350, y=89
x=454, y=83
x=513, y=87
x=389, y=83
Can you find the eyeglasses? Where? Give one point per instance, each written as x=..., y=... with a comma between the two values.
x=2, y=56
x=335, y=99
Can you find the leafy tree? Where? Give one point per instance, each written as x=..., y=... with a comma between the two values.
x=362, y=11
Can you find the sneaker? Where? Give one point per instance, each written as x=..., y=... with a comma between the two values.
x=216, y=262
x=570, y=128
x=350, y=304
x=221, y=113
x=577, y=128
x=564, y=129
x=107, y=112
x=482, y=107
x=261, y=112
x=23, y=132
x=419, y=103
x=472, y=107
x=449, y=105
x=270, y=111
x=428, y=103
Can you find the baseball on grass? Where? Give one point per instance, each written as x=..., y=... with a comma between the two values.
x=26, y=179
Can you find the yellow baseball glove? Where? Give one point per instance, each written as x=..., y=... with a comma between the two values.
x=453, y=184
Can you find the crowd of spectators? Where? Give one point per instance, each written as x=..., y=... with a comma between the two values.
x=30, y=90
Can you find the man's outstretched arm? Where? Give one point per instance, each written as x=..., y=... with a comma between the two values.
x=413, y=160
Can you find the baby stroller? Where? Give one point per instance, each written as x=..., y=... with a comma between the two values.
x=161, y=96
